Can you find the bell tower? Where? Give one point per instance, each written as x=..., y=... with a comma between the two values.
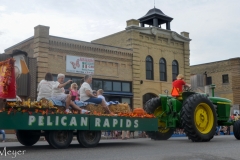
x=155, y=17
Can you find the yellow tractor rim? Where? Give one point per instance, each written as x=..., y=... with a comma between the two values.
x=161, y=124
x=203, y=118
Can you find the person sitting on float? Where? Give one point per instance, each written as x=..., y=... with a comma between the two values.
x=81, y=82
x=45, y=87
x=58, y=94
x=74, y=92
x=86, y=93
x=100, y=95
x=179, y=83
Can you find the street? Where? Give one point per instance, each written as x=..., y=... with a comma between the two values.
x=179, y=148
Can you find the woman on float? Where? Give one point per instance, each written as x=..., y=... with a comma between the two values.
x=58, y=94
x=45, y=87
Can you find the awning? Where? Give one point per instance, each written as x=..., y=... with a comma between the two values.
x=122, y=94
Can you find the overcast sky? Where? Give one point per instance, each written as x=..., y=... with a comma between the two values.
x=214, y=26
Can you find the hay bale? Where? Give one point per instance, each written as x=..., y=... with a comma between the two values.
x=121, y=107
x=115, y=108
x=94, y=108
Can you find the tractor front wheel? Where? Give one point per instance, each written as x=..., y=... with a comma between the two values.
x=153, y=106
x=236, y=129
x=198, y=118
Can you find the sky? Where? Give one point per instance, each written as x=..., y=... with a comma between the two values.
x=214, y=26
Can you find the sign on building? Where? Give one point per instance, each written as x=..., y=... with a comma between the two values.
x=81, y=65
x=236, y=111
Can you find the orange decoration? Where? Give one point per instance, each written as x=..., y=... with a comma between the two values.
x=175, y=92
x=136, y=115
x=139, y=111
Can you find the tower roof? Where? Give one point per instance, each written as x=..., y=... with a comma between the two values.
x=155, y=13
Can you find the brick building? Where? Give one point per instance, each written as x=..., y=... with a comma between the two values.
x=224, y=74
x=158, y=54
x=131, y=66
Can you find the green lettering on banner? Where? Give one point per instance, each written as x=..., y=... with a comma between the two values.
x=31, y=120
x=121, y=122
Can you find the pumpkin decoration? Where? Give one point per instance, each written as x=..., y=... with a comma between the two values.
x=139, y=111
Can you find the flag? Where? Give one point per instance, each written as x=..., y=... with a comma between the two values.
x=7, y=79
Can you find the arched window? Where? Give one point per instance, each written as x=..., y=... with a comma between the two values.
x=149, y=68
x=174, y=69
x=163, y=69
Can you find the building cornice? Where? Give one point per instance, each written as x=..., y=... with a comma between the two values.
x=158, y=31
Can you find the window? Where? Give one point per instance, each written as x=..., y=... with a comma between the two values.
x=149, y=68
x=225, y=78
x=208, y=80
x=97, y=84
x=174, y=70
x=163, y=69
x=112, y=86
x=126, y=87
x=107, y=85
x=117, y=86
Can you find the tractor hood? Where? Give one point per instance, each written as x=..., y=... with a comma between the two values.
x=220, y=100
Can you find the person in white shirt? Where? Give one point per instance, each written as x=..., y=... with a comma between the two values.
x=100, y=95
x=81, y=82
x=58, y=94
x=86, y=94
x=45, y=87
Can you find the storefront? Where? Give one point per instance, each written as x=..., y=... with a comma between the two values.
x=132, y=65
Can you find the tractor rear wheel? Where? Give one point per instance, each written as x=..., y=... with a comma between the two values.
x=236, y=129
x=198, y=118
x=153, y=106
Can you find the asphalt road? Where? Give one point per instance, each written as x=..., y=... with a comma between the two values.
x=219, y=148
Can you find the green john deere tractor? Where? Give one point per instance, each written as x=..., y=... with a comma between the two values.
x=196, y=113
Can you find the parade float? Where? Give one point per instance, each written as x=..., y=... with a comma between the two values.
x=197, y=113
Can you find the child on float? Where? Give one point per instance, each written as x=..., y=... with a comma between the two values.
x=100, y=95
x=74, y=92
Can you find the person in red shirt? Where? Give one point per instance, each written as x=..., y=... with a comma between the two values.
x=179, y=83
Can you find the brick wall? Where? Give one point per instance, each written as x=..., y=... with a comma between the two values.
x=143, y=43
x=216, y=70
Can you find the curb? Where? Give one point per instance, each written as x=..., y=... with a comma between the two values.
x=74, y=138
x=102, y=138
